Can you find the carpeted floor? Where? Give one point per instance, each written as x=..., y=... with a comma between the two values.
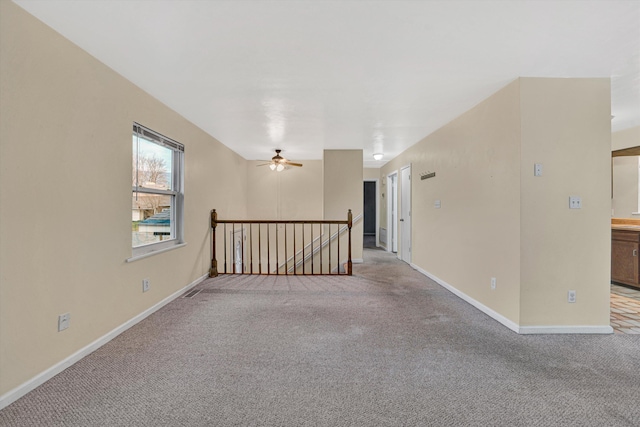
x=386, y=347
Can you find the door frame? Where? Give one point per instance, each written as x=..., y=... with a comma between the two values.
x=406, y=223
x=392, y=206
x=377, y=186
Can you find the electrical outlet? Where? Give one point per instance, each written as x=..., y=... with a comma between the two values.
x=575, y=202
x=145, y=285
x=493, y=283
x=571, y=296
x=63, y=321
x=437, y=204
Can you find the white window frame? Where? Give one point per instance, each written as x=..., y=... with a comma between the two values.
x=177, y=195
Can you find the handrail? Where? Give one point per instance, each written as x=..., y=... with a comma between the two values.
x=325, y=242
x=239, y=246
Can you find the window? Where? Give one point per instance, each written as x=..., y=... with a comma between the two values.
x=158, y=195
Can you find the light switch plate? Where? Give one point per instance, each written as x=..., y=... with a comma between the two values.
x=537, y=169
x=63, y=321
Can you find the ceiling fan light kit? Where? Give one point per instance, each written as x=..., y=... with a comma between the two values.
x=278, y=163
x=378, y=156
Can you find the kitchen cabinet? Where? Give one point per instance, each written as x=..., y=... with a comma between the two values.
x=625, y=247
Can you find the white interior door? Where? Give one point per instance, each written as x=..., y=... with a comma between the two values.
x=405, y=214
x=392, y=212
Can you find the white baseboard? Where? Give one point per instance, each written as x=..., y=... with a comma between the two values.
x=12, y=395
x=578, y=329
x=486, y=310
x=357, y=261
x=573, y=329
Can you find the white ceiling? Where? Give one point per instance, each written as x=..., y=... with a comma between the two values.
x=305, y=76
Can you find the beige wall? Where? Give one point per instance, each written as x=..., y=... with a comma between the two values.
x=566, y=126
x=295, y=193
x=343, y=190
x=65, y=198
x=474, y=235
x=497, y=220
x=371, y=173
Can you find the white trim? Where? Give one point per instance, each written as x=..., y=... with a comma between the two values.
x=405, y=257
x=525, y=330
x=24, y=388
x=157, y=251
x=577, y=329
x=392, y=229
x=486, y=310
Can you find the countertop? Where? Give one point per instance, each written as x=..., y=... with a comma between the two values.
x=625, y=227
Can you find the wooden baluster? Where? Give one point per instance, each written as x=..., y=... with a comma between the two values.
x=213, y=271
x=349, y=224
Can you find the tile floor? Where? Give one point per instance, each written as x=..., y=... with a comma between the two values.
x=625, y=310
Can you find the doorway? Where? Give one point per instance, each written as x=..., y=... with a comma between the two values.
x=370, y=213
x=392, y=212
x=405, y=214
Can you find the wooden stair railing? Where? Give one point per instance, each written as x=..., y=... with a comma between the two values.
x=254, y=246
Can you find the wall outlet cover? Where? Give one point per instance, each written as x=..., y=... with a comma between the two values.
x=575, y=202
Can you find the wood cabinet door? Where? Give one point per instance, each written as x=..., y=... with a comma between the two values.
x=624, y=262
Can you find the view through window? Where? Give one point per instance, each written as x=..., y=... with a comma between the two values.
x=157, y=190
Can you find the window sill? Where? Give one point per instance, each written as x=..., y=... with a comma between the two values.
x=159, y=251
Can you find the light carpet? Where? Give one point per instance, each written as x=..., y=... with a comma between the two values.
x=385, y=347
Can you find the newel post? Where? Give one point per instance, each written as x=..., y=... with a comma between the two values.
x=349, y=224
x=213, y=271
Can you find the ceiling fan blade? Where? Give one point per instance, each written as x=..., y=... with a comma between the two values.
x=264, y=164
x=294, y=164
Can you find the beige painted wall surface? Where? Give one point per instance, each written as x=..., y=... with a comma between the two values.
x=343, y=190
x=295, y=193
x=566, y=126
x=625, y=187
x=625, y=138
x=475, y=234
x=65, y=198
x=371, y=173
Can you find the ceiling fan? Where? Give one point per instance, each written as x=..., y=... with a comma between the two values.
x=278, y=163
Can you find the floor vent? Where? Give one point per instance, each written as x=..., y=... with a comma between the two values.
x=192, y=293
